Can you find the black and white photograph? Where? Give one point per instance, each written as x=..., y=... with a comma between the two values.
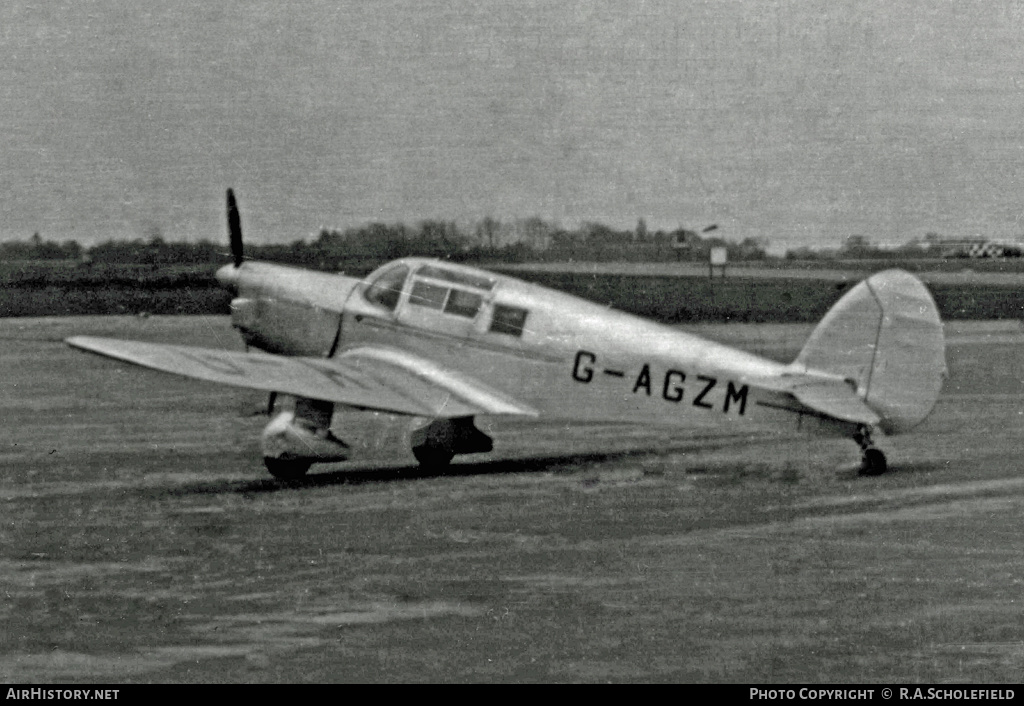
x=512, y=342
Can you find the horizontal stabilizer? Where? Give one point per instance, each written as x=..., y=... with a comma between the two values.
x=837, y=400
x=371, y=378
x=826, y=396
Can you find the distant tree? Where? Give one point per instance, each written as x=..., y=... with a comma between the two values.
x=640, y=234
x=536, y=234
x=487, y=232
x=600, y=234
x=802, y=253
x=750, y=249
x=857, y=244
x=71, y=250
x=438, y=239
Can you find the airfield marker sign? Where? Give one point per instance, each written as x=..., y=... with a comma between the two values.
x=718, y=258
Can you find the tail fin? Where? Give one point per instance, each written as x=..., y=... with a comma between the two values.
x=885, y=336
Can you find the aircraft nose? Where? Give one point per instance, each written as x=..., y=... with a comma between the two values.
x=228, y=277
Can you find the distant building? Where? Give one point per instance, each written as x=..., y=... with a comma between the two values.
x=979, y=247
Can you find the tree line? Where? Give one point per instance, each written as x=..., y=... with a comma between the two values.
x=487, y=240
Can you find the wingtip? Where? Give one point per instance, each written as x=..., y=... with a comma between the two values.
x=89, y=344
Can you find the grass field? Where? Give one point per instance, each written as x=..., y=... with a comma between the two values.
x=142, y=541
x=667, y=292
x=683, y=293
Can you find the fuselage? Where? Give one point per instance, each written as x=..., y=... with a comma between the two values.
x=566, y=357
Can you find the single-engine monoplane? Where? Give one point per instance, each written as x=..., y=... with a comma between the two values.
x=444, y=343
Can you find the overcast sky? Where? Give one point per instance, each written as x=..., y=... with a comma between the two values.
x=799, y=121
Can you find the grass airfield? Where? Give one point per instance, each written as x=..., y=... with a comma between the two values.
x=142, y=541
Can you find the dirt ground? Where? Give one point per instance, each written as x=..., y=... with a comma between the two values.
x=141, y=541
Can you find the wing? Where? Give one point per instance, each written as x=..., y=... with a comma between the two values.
x=366, y=378
x=828, y=396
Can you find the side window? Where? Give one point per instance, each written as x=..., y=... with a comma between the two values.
x=508, y=319
x=428, y=295
x=462, y=303
x=387, y=288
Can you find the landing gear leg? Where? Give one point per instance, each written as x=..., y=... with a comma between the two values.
x=873, y=461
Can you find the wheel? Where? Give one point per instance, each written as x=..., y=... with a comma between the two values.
x=873, y=463
x=287, y=468
x=432, y=457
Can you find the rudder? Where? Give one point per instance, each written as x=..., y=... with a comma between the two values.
x=884, y=335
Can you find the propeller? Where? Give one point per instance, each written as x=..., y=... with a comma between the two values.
x=710, y=228
x=234, y=229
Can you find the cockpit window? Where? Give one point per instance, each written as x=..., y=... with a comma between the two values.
x=387, y=288
x=458, y=302
x=463, y=303
x=508, y=319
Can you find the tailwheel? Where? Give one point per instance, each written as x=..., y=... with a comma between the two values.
x=287, y=468
x=873, y=461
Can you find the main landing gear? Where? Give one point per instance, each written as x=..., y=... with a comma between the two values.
x=298, y=436
x=873, y=461
x=435, y=444
x=287, y=468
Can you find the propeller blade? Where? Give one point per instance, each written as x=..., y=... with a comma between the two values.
x=234, y=229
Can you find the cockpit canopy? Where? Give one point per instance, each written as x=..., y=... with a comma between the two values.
x=462, y=295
